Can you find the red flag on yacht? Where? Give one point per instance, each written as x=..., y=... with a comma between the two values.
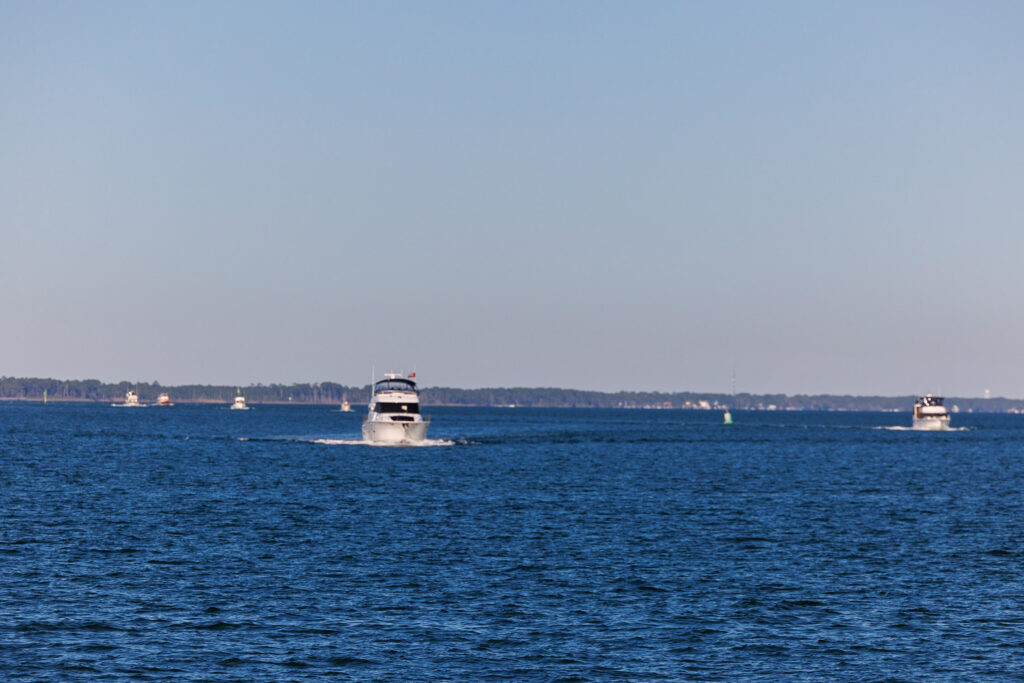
x=412, y=374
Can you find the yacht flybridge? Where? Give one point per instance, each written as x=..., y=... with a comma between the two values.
x=394, y=415
x=930, y=414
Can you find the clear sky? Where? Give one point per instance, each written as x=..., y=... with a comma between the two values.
x=825, y=197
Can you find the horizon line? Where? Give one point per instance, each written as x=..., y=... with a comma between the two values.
x=514, y=387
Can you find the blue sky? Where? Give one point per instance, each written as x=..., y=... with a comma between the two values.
x=603, y=195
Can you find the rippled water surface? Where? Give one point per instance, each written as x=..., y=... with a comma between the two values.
x=195, y=542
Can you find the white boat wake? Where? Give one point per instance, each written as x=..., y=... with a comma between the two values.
x=939, y=431
x=425, y=443
x=429, y=442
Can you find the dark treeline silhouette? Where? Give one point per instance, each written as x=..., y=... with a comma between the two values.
x=32, y=388
x=94, y=390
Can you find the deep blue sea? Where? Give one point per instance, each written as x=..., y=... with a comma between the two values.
x=198, y=543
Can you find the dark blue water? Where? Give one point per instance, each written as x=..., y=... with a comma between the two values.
x=565, y=545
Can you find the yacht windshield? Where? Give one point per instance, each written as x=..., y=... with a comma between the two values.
x=395, y=385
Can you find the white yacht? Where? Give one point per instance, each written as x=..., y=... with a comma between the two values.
x=131, y=400
x=346, y=407
x=239, y=403
x=930, y=414
x=164, y=400
x=394, y=415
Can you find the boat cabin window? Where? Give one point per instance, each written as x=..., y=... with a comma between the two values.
x=397, y=408
x=396, y=384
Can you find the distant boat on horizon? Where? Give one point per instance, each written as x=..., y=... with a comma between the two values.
x=239, y=403
x=131, y=400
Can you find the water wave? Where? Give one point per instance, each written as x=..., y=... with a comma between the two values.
x=425, y=443
x=332, y=441
x=898, y=428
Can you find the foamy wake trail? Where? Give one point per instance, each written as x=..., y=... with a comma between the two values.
x=911, y=429
x=402, y=444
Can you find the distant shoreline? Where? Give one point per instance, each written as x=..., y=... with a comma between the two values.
x=357, y=407
x=330, y=393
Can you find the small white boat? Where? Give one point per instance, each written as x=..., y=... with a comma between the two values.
x=131, y=400
x=164, y=400
x=930, y=414
x=239, y=403
x=394, y=412
x=346, y=407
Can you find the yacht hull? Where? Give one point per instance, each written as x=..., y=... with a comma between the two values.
x=394, y=432
x=931, y=424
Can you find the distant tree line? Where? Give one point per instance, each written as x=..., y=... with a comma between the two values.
x=94, y=390
x=573, y=398
x=32, y=388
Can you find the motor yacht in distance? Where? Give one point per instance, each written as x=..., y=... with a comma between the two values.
x=394, y=415
x=346, y=407
x=131, y=400
x=930, y=414
x=164, y=400
x=239, y=403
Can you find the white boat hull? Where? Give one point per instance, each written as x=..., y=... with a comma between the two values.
x=931, y=424
x=380, y=431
